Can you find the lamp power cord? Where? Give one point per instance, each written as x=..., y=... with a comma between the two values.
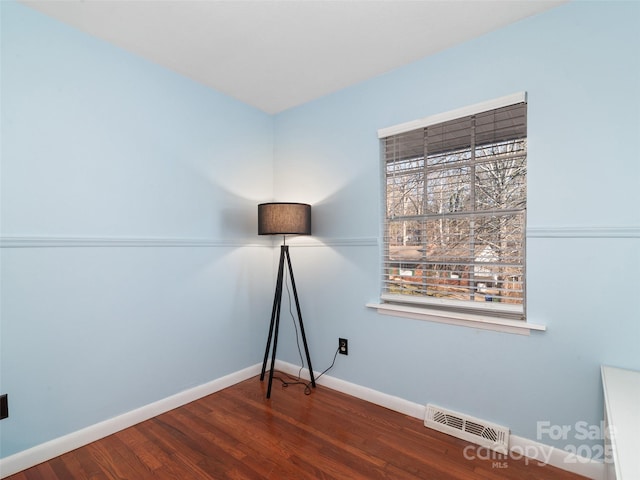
x=292, y=379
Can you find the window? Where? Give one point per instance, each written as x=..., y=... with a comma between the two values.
x=455, y=211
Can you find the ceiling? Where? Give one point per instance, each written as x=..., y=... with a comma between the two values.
x=278, y=54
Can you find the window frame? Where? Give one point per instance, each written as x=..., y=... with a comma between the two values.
x=444, y=310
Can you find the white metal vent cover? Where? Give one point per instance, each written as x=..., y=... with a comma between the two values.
x=480, y=432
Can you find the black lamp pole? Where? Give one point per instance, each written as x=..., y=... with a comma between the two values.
x=275, y=320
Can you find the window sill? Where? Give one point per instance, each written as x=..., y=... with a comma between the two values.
x=518, y=327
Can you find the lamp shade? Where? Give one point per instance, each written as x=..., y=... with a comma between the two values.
x=282, y=218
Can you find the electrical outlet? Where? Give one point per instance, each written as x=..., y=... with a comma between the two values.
x=4, y=406
x=343, y=346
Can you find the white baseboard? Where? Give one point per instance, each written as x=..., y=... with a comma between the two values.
x=373, y=396
x=519, y=447
x=58, y=446
x=544, y=454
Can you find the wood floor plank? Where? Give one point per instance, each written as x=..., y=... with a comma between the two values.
x=147, y=452
x=237, y=434
x=59, y=468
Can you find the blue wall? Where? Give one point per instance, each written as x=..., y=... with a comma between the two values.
x=97, y=143
x=579, y=64
x=101, y=148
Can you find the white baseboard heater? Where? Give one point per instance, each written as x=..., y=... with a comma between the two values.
x=480, y=432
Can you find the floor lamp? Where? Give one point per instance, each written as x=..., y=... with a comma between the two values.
x=284, y=219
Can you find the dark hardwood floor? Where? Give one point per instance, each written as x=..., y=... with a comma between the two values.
x=238, y=434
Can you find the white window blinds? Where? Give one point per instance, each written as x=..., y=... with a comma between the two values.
x=455, y=212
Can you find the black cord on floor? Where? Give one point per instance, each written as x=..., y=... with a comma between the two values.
x=307, y=385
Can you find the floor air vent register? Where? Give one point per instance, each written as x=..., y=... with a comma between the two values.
x=480, y=432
